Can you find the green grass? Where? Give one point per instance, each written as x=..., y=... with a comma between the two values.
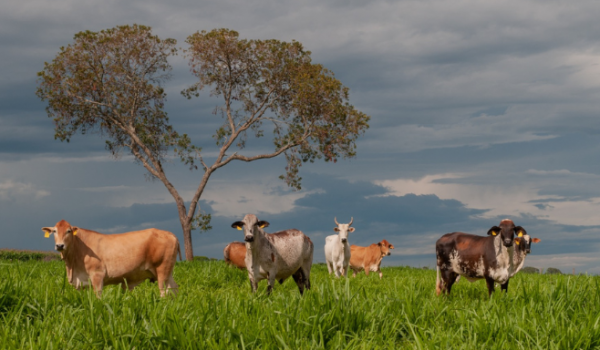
x=215, y=310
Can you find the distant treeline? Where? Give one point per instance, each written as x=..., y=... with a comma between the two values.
x=549, y=271
x=26, y=255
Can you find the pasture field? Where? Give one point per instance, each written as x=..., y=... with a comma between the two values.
x=215, y=310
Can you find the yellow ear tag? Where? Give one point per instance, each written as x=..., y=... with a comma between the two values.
x=262, y=226
x=517, y=242
x=239, y=227
x=520, y=234
x=74, y=232
x=494, y=233
x=46, y=234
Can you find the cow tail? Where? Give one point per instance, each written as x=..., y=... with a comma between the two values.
x=438, y=282
x=226, y=253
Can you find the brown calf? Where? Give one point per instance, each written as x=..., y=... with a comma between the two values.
x=369, y=258
x=128, y=258
x=235, y=254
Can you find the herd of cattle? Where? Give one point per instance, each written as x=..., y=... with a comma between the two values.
x=131, y=258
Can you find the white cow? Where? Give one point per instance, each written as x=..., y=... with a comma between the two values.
x=337, y=249
x=275, y=256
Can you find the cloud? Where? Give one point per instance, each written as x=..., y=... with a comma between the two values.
x=11, y=191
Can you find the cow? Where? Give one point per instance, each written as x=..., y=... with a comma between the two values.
x=476, y=257
x=275, y=256
x=369, y=258
x=337, y=249
x=235, y=254
x=522, y=248
x=126, y=258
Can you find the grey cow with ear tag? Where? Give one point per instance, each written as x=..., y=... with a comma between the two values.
x=275, y=256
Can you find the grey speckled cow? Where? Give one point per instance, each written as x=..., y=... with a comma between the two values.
x=275, y=256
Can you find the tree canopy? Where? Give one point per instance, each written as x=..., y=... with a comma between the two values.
x=112, y=81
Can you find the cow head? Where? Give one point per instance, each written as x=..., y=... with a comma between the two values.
x=506, y=231
x=385, y=247
x=524, y=242
x=250, y=225
x=63, y=234
x=343, y=229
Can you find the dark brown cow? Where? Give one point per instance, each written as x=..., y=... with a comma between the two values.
x=476, y=257
x=235, y=254
x=369, y=258
x=130, y=257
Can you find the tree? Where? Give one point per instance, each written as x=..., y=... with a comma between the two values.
x=553, y=271
x=112, y=81
x=530, y=270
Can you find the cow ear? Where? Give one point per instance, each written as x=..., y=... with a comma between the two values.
x=379, y=244
x=518, y=240
x=519, y=231
x=263, y=224
x=391, y=246
x=47, y=231
x=238, y=225
x=536, y=240
x=494, y=231
x=351, y=229
x=336, y=229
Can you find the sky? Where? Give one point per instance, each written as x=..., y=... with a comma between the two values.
x=480, y=111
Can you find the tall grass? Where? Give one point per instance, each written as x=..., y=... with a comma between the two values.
x=215, y=310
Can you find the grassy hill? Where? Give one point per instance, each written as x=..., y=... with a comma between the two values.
x=215, y=310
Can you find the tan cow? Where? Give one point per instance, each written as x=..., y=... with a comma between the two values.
x=369, y=258
x=235, y=254
x=129, y=258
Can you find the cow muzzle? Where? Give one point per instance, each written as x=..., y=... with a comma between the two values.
x=508, y=243
x=249, y=238
x=60, y=247
x=388, y=254
x=344, y=240
x=527, y=251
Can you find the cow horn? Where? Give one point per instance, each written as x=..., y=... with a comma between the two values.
x=351, y=220
x=335, y=219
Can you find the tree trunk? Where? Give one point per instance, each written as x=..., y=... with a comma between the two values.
x=186, y=226
x=187, y=241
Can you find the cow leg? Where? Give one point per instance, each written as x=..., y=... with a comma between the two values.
x=367, y=270
x=337, y=269
x=448, y=278
x=490, y=285
x=306, y=272
x=172, y=286
x=504, y=287
x=330, y=267
x=253, y=282
x=299, y=278
x=271, y=282
x=97, y=280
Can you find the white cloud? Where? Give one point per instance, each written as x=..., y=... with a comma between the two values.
x=505, y=199
x=13, y=190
